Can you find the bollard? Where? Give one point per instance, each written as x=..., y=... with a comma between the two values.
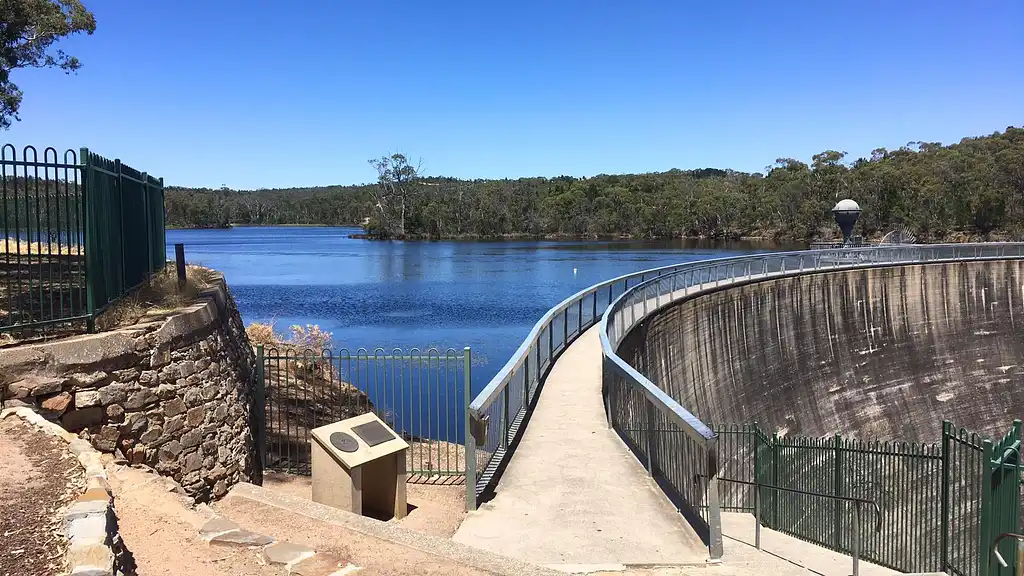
x=179, y=258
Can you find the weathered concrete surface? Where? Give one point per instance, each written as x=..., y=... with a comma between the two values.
x=573, y=493
x=881, y=353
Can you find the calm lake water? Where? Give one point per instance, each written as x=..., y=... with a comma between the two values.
x=370, y=294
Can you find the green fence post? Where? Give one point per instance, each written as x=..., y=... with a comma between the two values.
x=775, y=479
x=985, y=526
x=260, y=407
x=470, y=440
x=89, y=240
x=838, y=479
x=162, y=229
x=947, y=433
x=147, y=211
x=120, y=225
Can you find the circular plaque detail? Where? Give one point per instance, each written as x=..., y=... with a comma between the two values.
x=344, y=442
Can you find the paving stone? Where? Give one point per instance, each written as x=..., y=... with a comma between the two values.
x=90, y=559
x=318, y=565
x=79, y=446
x=217, y=525
x=87, y=530
x=286, y=553
x=241, y=538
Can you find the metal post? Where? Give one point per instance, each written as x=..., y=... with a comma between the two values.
x=148, y=210
x=470, y=440
x=757, y=513
x=714, y=505
x=179, y=258
x=125, y=283
x=651, y=442
x=838, y=479
x=947, y=431
x=259, y=398
x=855, y=547
x=593, y=317
x=506, y=425
x=89, y=241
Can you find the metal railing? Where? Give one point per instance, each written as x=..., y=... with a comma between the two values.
x=77, y=231
x=855, y=519
x=421, y=394
x=641, y=423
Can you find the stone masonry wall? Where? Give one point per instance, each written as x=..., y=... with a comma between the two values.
x=172, y=392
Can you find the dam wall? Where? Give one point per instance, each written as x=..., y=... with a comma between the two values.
x=880, y=353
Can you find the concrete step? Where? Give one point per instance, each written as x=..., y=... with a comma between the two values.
x=376, y=547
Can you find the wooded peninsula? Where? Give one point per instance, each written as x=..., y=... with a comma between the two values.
x=971, y=189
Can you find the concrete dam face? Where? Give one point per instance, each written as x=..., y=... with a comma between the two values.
x=875, y=353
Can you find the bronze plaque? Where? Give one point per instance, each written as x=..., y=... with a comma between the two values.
x=373, y=433
x=344, y=442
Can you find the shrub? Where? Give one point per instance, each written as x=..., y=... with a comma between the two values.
x=262, y=333
x=310, y=336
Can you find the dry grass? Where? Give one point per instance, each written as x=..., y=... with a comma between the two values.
x=158, y=296
x=26, y=248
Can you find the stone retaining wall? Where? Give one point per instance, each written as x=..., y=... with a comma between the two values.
x=172, y=392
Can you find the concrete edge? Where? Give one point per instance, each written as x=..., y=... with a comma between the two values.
x=90, y=523
x=395, y=533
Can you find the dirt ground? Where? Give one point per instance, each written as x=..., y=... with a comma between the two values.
x=38, y=479
x=435, y=509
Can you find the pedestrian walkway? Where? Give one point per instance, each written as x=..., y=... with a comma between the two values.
x=573, y=494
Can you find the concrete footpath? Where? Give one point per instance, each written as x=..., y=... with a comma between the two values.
x=573, y=494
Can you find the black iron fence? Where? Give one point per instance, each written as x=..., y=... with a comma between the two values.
x=77, y=232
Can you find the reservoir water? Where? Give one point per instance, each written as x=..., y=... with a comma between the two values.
x=447, y=294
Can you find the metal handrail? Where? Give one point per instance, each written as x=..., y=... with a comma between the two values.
x=995, y=546
x=838, y=259
x=857, y=502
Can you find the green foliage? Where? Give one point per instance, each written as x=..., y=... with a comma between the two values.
x=972, y=188
x=28, y=31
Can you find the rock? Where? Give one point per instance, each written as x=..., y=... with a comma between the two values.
x=34, y=385
x=75, y=420
x=217, y=525
x=115, y=393
x=87, y=380
x=79, y=446
x=149, y=378
x=127, y=375
x=218, y=472
x=210, y=447
x=191, y=462
x=106, y=440
x=29, y=403
x=166, y=391
x=174, y=407
x=203, y=364
x=209, y=392
x=115, y=413
x=195, y=416
x=174, y=424
x=169, y=451
x=137, y=455
x=141, y=399
x=159, y=357
x=220, y=489
x=191, y=438
x=284, y=553
x=134, y=424
x=193, y=398
x=87, y=398
x=221, y=413
x=320, y=564
x=186, y=369
x=151, y=435
x=58, y=403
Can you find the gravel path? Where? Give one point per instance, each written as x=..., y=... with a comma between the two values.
x=38, y=479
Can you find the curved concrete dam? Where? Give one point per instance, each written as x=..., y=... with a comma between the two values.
x=874, y=353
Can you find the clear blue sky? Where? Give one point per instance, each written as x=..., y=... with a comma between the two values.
x=268, y=94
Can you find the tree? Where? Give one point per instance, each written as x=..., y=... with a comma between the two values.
x=395, y=193
x=28, y=31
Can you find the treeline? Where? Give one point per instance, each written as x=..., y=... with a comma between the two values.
x=969, y=189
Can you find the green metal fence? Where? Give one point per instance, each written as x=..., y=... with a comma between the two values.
x=942, y=505
x=78, y=232
x=421, y=394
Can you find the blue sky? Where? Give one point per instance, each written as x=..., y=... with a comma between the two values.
x=269, y=94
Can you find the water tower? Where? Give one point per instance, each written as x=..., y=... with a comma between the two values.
x=846, y=213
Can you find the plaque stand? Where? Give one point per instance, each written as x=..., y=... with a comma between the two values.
x=359, y=466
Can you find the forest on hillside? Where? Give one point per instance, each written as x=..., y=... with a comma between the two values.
x=974, y=188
